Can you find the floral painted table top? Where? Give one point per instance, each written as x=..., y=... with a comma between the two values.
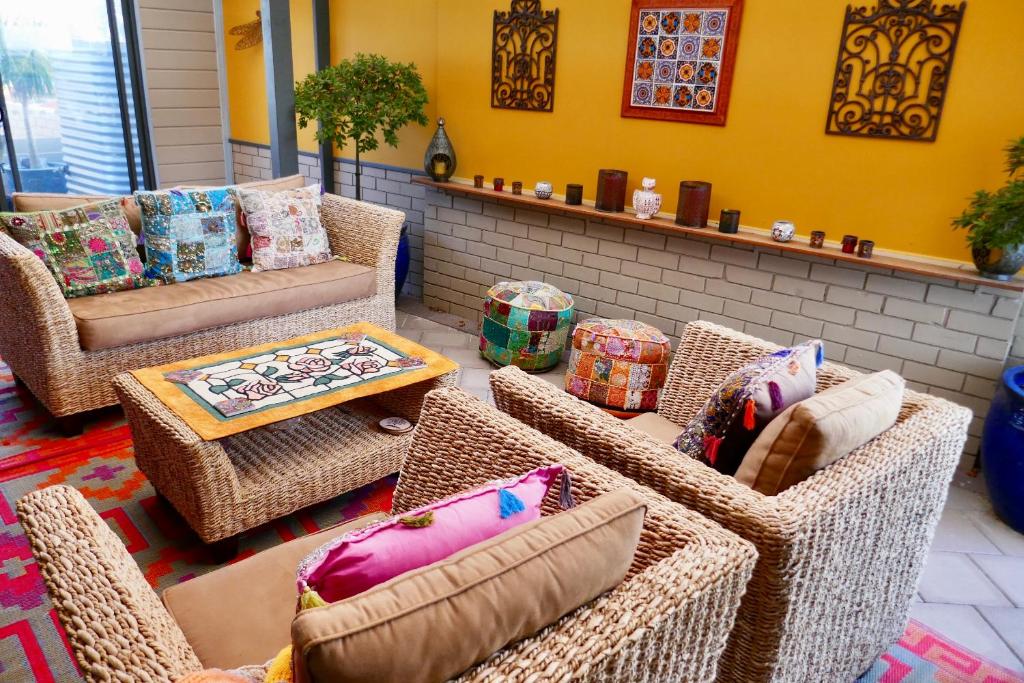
x=233, y=392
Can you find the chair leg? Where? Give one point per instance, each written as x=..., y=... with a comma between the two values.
x=70, y=425
x=224, y=550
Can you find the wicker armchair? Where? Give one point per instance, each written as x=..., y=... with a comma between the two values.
x=840, y=554
x=39, y=338
x=667, y=621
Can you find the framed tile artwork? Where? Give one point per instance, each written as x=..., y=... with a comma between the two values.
x=680, y=58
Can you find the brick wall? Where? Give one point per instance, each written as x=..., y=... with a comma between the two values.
x=387, y=186
x=947, y=339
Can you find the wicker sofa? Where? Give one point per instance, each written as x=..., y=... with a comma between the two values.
x=68, y=351
x=840, y=554
x=667, y=621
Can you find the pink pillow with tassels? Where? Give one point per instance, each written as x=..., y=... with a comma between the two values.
x=359, y=560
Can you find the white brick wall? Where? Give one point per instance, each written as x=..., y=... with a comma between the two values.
x=386, y=186
x=947, y=339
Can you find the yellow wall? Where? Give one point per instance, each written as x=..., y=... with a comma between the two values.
x=772, y=159
x=356, y=26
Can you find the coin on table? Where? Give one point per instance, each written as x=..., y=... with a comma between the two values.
x=395, y=425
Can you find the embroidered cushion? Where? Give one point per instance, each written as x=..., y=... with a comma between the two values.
x=285, y=227
x=720, y=434
x=433, y=623
x=189, y=233
x=89, y=249
x=812, y=434
x=359, y=560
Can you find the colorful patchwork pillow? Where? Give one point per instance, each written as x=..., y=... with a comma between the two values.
x=89, y=249
x=189, y=234
x=720, y=434
x=359, y=560
x=285, y=228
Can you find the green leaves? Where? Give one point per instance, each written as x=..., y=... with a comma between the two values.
x=995, y=220
x=360, y=98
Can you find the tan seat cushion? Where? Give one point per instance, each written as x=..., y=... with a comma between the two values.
x=433, y=623
x=816, y=432
x=240, y=614
x=661, y=428
x=111, y=320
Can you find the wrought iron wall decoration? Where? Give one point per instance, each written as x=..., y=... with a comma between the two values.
x=893, y=69
x=523, y=59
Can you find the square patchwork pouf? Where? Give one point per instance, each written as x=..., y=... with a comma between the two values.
x=189, y=233
x=526, y=324
x=619, y=365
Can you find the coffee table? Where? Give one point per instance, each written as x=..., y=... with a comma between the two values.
x=243, y=464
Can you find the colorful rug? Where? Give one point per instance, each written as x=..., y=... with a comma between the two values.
x=99, y=463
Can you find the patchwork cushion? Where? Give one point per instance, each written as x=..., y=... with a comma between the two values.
x=356, y=562
x=89, y=249
x=621, y=364
x=525, y=324
x=285, y=227
x=189, y=234
x=812, y=434
x=433, y=623
x=720, y=434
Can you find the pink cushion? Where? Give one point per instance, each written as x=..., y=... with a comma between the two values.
x=359, y=560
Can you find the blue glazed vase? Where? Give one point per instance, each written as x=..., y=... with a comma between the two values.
x=402, y=261
x=1002, y=448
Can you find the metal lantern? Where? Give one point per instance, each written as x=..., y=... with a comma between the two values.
x=439, y=161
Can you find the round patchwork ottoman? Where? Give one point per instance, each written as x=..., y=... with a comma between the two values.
x=619, y=365
x=525, y=324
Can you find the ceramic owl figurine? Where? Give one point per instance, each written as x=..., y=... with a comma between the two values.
x=646, y=202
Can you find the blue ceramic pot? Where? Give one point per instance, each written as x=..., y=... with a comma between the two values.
x=1002, y=448
x=402, y=261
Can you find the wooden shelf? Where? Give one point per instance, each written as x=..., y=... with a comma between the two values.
x=963, y=273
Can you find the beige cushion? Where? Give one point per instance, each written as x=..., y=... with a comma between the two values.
x=42, y=201
x=110, y=320
x=814, y=433
x=239, y=614
x=433, y=623
x=653, y=424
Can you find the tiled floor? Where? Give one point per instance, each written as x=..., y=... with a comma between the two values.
x=972, y=590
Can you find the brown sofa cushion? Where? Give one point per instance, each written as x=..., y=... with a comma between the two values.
x=653, y=424
x=122, y=318
x=240, y=614
x=816, y=432
x=432, y=623
x=42, y=201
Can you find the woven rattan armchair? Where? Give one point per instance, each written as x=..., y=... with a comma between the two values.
x=39, y=338
x=667, y=621
x=840, y=554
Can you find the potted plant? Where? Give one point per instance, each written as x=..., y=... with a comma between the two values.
x=995, y=222
x=358, y=99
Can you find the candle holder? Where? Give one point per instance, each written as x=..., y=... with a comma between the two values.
x=817, y=239
x=543, y=190
x=729, y=221
x=439, y=160
x=611, y=190
x=865, y=249
x=694, y=203
x=517, y=187
x=849, y=244
x=499, y=184
x=478, y=181
x=573, y=194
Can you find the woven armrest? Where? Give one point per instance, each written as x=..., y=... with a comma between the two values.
x=366, y=233
x=37, y=330
x=667, y=621
x=845, y=548
x=116, y=625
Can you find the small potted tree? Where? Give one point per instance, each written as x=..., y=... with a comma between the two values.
x=995, y=222
x=358, y=99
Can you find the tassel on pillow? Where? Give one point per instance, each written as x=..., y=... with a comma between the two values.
x=509, y=504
